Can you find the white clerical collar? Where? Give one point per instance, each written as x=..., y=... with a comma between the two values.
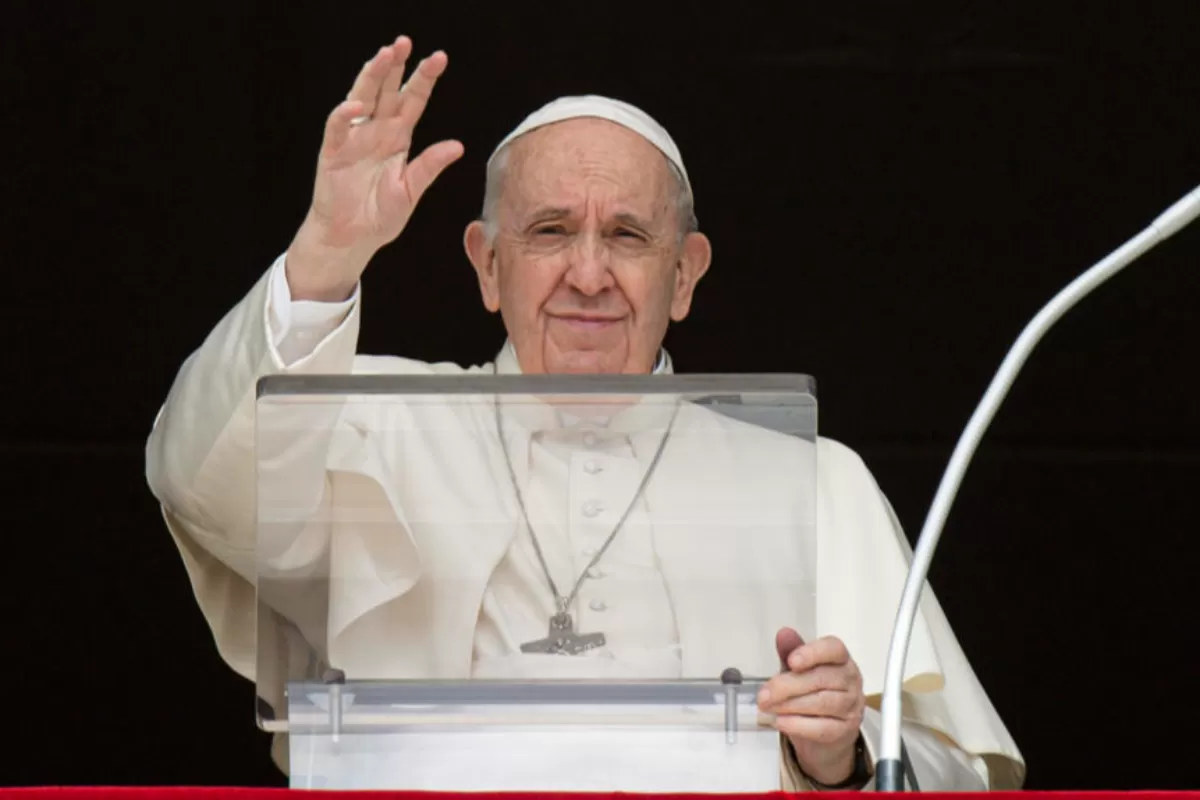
x=507, y=363
x=662, y=365
x=645, y=416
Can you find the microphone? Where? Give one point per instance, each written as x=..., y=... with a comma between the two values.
x=889, y=771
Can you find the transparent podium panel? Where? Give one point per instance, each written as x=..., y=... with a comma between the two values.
x=481, y=582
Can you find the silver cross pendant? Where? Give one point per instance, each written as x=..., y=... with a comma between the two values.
x=563, y=640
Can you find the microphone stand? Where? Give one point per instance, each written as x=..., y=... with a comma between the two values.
x=889, y=769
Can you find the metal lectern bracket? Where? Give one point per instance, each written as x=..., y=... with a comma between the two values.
x=335, y=679
x=731, y=679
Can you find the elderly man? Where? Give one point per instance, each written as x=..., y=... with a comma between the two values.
x=588, y=248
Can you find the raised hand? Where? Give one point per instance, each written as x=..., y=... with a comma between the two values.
x=367, y=186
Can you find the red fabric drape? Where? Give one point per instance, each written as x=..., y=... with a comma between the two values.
x=235, y=793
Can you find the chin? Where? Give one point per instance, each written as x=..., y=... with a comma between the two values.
x=586, y=362
x=581, y=365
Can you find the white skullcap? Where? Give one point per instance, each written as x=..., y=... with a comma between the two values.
x=592, y=105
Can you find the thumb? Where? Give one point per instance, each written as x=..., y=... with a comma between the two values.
x=786, y=642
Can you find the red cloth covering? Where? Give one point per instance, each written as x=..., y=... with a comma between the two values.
x=236, y=793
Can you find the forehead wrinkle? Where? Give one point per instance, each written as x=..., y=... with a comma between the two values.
x=561, y=164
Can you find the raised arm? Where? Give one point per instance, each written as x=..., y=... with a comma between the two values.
x=201, y=454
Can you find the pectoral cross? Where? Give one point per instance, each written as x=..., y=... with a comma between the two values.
x=563, y=640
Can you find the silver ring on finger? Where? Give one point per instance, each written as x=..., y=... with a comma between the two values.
x=362, y=120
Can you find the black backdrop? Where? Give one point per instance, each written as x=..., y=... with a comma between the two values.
x=892, y=190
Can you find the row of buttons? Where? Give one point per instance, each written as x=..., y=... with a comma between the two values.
x=591, y=509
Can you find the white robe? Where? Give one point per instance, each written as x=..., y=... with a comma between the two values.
x=383, y=515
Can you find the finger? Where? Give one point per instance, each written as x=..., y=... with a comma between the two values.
x=425, y=168
x=826, y=650
x=788, y=685
x=396, y=137
x=825, y=703
x=338, y=125
x=416, y=93
x=787, y=640
x=366, y=86
x=389, y=91
x=822, y=730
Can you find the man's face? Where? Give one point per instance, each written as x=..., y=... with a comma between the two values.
x=587, y=267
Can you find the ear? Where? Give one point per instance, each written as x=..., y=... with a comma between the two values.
x=483, y=258
x=694, y=258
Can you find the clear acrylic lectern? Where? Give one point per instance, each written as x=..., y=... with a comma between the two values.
x=475, y=582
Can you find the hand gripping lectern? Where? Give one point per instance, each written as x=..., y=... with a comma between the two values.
x=479, y=582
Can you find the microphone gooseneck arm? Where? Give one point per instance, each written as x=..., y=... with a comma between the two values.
x=889, y=769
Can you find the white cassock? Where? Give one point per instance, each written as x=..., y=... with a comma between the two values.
x=446, y=550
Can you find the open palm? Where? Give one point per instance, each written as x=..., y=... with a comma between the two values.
x=367, y=184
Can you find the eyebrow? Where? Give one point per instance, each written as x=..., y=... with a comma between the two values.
x=550, y=213
x=558, y=212
x=633, y=220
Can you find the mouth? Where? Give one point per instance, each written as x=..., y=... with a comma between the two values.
x=586, y=322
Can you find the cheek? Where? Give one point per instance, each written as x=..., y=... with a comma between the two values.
x=648, y=292
x=527, y=283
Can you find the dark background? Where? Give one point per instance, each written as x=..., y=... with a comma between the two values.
x=893, y=190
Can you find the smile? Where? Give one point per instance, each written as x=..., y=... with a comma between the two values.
x=586, y=323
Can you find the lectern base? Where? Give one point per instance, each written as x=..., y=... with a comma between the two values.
x=542, y=759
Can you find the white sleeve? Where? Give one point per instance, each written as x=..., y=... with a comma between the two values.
x=297, y=328
x=938, y=765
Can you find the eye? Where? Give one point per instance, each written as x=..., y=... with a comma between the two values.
x=625, y=233
x=549, y=230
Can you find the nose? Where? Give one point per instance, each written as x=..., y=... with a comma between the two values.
x=588, y=271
